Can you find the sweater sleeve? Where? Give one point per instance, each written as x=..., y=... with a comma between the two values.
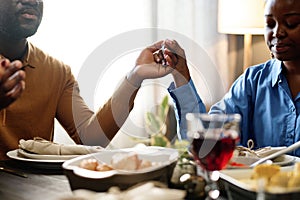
x=100, y=127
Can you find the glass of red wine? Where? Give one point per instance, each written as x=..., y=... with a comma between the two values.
x=213, y=139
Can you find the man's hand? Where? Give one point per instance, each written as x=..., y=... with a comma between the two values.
x=12, y=82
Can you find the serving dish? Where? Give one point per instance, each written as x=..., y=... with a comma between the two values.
x=165, y=160
x=236, y=188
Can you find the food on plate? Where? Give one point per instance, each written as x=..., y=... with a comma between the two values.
x=265, y=171
x=280, y=179
x=119, y=161
x=90, y=164
x=294, y=181
x=297, y=169
x=128, y=161
x=103, y=167
x=274, y=178
x=144, y=164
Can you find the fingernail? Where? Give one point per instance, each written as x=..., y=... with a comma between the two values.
x=170, y=42
x=17, y=66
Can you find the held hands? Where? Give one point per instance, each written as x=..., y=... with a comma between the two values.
x=158, y=60
x=12, y=82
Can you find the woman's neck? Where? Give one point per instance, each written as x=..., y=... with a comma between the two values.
x=292, y=73
x=292, y=67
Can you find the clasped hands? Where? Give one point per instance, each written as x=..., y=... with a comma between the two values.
x=158, y=60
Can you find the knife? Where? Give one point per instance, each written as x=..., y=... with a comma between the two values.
x=14, y=172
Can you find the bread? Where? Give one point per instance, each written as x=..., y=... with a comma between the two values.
x=265, y=171
x=296, y=170
x=90, y=164
x=119, y=161
x=125, y=161
x=280, y=179
x=275, y=179
x=294, y=181
x=103, y=167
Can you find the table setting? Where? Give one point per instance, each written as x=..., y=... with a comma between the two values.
x=231, y=168
x=208, y=165
x=40, y=153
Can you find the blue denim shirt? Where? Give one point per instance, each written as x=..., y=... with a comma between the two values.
x=270, y=116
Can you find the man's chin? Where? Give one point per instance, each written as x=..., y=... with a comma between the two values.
x=24, y=33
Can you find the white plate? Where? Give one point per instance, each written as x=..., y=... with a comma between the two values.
x=239, y=185
x=45, y=157
x=21, y=155
x=281, y=160
x=284, y=160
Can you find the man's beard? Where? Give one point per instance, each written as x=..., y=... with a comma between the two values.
x=20, y=33
x=14, y=31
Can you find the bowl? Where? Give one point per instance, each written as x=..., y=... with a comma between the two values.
x=164, y=160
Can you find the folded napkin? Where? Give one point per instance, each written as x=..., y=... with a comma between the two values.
x=44, y=147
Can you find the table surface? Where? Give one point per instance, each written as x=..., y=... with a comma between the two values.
x=40, y=184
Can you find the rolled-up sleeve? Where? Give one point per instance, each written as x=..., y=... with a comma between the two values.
x=186, y=100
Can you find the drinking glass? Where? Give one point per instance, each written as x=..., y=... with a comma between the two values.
x=213, y=139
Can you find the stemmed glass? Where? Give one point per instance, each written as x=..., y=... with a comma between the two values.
x=213, y=140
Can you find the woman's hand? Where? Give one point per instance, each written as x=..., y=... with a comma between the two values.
x=181, y=73
x=12, y=82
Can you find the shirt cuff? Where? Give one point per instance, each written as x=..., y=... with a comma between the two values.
x=186, y=100
x=186, y=97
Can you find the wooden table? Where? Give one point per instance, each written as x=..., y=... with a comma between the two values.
x=40, y=184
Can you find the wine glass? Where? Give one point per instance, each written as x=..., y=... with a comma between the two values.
x=213, y=140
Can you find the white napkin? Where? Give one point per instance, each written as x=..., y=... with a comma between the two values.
x=44, y=147
x=146, y=191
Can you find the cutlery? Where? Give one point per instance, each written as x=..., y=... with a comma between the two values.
x=276, y=154
x=14, y=172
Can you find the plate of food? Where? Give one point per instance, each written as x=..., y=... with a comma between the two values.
x=243, y=157
x=242, y=161
x=272, y=181
x=123, y=168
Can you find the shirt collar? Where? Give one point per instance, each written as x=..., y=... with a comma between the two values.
x=26, y=61
x=276, y=71
x=26, y=57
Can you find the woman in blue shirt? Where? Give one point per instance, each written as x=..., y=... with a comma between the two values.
x=267, y=95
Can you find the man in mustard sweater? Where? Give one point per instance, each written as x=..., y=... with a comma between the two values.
x=36, y=88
